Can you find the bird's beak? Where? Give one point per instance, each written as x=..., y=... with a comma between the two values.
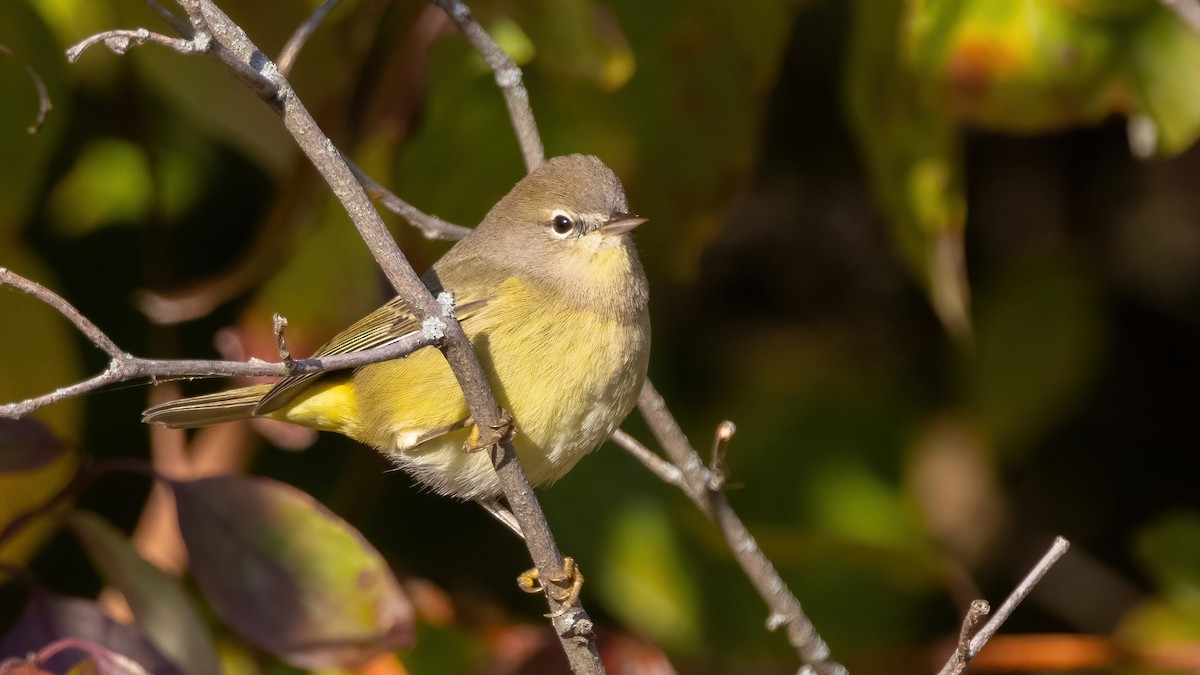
x=620, y=223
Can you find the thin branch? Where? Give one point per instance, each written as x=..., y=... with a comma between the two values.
x=965, y=654
x=785, y=610
x=962, y=652
x=44, y=103
x=234, y=47
x=119, y=42
x=182, y=27
x=287, y=56
x=90, y=330
x=508, y=78
x=1186, y=10
x=123, y=367
x=666, y=471
x=430, y=226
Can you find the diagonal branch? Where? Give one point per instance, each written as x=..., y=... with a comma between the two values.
x=1188, y=11
x=969, y=646
x=44, y=103
x=81, y=322
x=430, y=226
x=231, y=44
x=697, y=483
x=287, y=55
x=508, y=78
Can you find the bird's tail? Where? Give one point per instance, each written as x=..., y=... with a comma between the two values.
x=199, y=411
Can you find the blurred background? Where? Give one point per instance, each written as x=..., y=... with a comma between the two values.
x=938, y=260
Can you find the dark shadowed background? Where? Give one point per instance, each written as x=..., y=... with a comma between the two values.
x=814, y=173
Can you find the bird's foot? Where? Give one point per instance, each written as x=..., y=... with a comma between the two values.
x=503, y=431
x=569, y=583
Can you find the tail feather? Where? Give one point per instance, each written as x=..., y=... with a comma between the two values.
x=199, y=411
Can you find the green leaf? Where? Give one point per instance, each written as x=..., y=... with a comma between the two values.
x=646, y=579
x=26, y=156
x=852, y=501
x=288, y=574
x=159, y=605
x=1164, y=63
x=109, y=183
x=913, y=155
x=1040, y=336
x=579, y=40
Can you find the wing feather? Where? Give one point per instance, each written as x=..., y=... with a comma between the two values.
x=392, y=321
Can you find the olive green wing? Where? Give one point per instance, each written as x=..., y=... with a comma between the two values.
x=391, y=322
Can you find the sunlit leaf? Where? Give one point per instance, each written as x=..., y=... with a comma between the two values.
x=1014, y=66
x=646, y=579
x=850, y=500
x=912, y=152
x=159, y=605
x=1164, y=62
x=288, y=574
x=81, y=625
x=109, y=183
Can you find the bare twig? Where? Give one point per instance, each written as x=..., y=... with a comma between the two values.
x=44, y=103
x=280, y=324
x=182, y=27
x=716, y=466
x=785, y=610
x=81, y=322
x=1187, y=10
x=119, y=42
x=287, y=56
x=508, y=78
x=666, y=471
x=963, y=654
x=123, y=367
x=234, y=47
x=430, y=226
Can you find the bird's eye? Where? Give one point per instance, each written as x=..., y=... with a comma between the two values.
x=562, y=225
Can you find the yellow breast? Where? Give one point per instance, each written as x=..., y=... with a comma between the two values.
x=567, y=376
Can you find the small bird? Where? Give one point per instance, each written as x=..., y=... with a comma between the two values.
x=551, y=293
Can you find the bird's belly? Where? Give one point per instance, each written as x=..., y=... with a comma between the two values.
x=566, y=395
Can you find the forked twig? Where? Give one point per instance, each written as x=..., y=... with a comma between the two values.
x=124, y=367
x=971, y=642
x=291, y=50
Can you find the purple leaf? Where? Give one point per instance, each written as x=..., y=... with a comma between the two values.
x=289, y=575
x=159, y=605
x=26, y=444
x=47, y=622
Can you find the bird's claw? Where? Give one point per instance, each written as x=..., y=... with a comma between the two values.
x=570, y=579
